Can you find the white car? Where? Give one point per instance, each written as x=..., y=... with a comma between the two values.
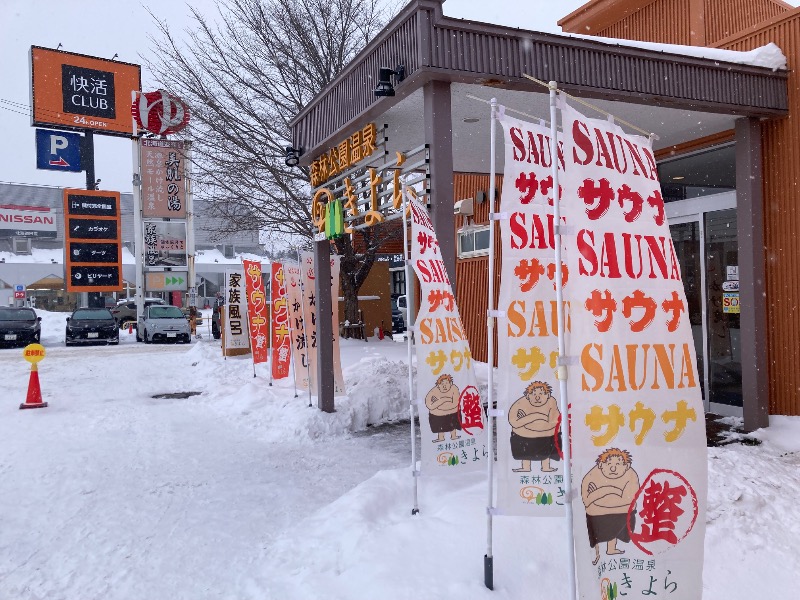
x=161, y=323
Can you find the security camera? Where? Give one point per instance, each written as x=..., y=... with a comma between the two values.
x=463, y=207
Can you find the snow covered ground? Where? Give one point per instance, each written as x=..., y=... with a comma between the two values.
x=245, y=492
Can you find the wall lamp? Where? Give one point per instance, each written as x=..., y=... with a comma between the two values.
x=385, y=87
x=293, y=156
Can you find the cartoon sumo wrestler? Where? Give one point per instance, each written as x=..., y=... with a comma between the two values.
x=607, y=491
x=533, y=419
x=442, y=403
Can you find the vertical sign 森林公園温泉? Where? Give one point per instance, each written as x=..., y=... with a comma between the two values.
x=638, y=429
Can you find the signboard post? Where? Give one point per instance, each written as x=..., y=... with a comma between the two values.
x=93, y=260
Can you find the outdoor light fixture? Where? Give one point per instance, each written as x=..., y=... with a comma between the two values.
x=385, y=87
x=292, y=156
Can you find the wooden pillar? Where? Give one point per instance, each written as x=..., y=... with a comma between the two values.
x=752, y=273
x=439, y=137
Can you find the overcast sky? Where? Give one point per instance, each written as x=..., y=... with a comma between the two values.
x=105, y=27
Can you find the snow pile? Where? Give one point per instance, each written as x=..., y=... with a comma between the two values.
x=769, y=55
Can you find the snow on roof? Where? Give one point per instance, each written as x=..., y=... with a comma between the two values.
x=769, y=56
x=56, y=255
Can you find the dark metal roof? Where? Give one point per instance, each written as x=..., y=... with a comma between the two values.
x=435, y=47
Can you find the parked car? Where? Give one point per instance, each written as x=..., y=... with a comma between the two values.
x=398, y=323
x=125, y=311
x=199, y=318
x=19, y=326
x=402, y=306
x=90, y=326
x=163, y=324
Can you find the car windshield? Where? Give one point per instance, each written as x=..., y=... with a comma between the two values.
x=24, y=314
x=92, y=315
x=166, y=312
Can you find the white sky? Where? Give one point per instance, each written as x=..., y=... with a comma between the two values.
x=86, y=27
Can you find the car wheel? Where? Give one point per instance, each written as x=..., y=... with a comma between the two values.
x=146, y=337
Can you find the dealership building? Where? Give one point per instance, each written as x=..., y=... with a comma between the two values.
x=726, y=151
x=32, y=249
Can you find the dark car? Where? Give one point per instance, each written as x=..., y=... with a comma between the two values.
x=398, y=324
x=19, y=326
x=125, y=310
x=215, y=318
x=92, y=325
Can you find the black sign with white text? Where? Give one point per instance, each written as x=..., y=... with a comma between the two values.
x=92, y=229
x=100, y=277
x=88, y=92
x=92, y=252
x=94, y=205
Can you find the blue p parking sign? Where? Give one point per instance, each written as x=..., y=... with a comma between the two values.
x=58, y=150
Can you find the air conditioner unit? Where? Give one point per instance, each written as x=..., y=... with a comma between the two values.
x=464, y=207
x=21, y=245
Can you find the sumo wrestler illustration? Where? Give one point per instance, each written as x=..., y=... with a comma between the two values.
x=607, y=491
x=442, y=403
x=533, y=419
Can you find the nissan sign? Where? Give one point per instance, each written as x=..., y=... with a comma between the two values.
x=27, y=221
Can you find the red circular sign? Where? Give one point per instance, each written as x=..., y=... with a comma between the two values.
x=160, y=112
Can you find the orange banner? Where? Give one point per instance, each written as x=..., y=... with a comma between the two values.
x=256, y=310
x=281, y=337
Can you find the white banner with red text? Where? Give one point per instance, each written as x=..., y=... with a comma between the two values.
x=451, y=417
x=530, y=470
x=638, y=427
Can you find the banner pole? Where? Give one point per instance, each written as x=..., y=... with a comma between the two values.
x=562, y=368
x=305, y=337
x=411, y=399
x=271, y=315
x=488, y=558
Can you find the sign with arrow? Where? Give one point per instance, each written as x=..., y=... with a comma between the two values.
x=168, y=281
x=58, y=150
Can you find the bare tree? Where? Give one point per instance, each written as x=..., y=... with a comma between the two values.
x=245, y=75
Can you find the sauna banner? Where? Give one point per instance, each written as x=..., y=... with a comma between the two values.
x=638, y=429
x=451, y=418
x=530, y=468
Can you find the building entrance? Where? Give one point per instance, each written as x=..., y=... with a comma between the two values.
x=705, y=238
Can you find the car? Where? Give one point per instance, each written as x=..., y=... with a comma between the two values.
x=163, y=324
x=91, y=326
x=186, y=310
x=125, y=311
x=402, y=306
x=398, y=323
x=19, y=326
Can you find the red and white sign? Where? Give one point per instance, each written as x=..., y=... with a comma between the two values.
x=451, y=414
x=638, y=429
x=27, y=221
x=281, y=337
x=530, y=461
x=160, y=112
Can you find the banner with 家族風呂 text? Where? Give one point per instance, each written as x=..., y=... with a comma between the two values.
x=638, y=428
x=257, y=313
x=235, y=310
x=449, y=402
x=530, y=470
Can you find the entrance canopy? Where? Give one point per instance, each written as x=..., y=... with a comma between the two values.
x=676, y=96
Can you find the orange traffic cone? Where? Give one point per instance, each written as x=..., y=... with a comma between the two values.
x=34, y=398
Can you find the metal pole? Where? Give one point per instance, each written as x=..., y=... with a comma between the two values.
x=190, y=239
x=411, y=399
x=305, y=337
x=138, y=233
x=562, y=368
x=488, y=559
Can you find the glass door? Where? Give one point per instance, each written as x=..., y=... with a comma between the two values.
x=722, y=272
x=687, y=237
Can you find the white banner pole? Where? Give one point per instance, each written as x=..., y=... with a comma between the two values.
x=305, y=337
x=411, y=399
x=271, y=316
x=562, y=368
x=488, y=559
